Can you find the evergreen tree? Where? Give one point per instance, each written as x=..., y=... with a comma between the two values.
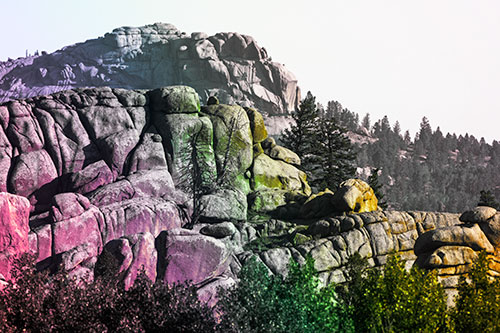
x=487, y=198
x=300, y=136
x=335, y=155
x=326, y=152
x=366, y=122
x=377, y=188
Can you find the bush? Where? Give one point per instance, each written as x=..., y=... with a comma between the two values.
x=41, y=302
x=394, y=300
x=266, y=303
x=477, y=306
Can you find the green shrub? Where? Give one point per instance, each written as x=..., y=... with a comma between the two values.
x=477, y=306
x=394, y=300
x=55, y=303
x=266, y=303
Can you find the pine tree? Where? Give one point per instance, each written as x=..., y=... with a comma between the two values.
x=377, y=187
x=366, y=122
x=335, y=155
x=300, y=137
x=488, y=199
x=326, y=152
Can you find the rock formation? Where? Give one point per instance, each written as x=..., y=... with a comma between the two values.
x=151, y=179
x=120, y=172
x=232, y=66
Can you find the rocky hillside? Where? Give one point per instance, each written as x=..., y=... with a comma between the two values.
x=153, y=180
x=232, y=66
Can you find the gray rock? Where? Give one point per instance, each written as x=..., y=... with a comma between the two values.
x=229, y=64
x=228, y=205
x=219, y=230
x=478, y=214
x=277, y=260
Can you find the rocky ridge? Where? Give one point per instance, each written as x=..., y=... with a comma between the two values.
x=230, y=65
x=153, y=179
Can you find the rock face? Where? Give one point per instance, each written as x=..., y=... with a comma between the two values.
x=232, y=66
x=112, y=173
x=112, y=179
x=14, y=215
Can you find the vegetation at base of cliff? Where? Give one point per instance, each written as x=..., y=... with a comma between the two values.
x=266, y=303
x=39, y=302
x=477, y=307
x=391, y=299
x=432, y=171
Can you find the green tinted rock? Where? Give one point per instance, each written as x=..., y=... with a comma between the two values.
x=273, y=174
x=259, y=131
x=284, y=154
x=232, y=144
x=182, y=136
x=175, y=99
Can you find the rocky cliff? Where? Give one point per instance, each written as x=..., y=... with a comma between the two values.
x=232, y=66
x=189, y=192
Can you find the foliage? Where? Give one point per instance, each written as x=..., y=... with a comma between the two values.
x=395, y=300
x=335, y=155
x=487, y=198
x=377, y=187
x=57, y=303
x=433, y=171
x=326, y=152
x=267, y=303
x=477, y=306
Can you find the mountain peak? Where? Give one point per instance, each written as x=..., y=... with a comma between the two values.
x=229, y=65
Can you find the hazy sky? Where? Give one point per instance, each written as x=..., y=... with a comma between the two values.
x=400, y=58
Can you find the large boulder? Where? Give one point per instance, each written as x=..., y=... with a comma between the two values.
x=268, y=173
x=14, y=228
x=354, y=195
x=175, y=99
x=232, y=144
x=190, y=256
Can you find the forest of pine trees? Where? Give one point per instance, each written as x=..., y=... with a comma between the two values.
x=432, y=171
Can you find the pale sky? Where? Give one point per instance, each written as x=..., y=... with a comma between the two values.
x=400, y=58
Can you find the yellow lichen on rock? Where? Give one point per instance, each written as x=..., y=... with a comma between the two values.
x=355, y=196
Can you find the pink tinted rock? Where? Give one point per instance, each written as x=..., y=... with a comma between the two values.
x=24, y=131
x=121, y=251
x=5, y=159
x=77, y=230
x=149, y=153
x=152, y=183
x=4, y=116
x=194, y=257
x=145, y=258
x=139, y=215
x=90, y=178
x=117, y=147
x=115, y=192
x=68, y=205
x=43, y=242
x=14, y=228
x=78, y=255
x=32, y=171
x=208, y=293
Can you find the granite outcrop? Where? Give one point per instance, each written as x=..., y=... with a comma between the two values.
x=230, y=65
x=154, y=180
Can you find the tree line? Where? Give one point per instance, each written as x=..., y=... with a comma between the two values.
x=432, y=171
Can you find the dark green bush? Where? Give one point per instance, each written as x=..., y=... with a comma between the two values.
x=55, y=303
x=266, y=303
x=394, y=300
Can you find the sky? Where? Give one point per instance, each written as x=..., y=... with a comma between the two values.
x=404, y=59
